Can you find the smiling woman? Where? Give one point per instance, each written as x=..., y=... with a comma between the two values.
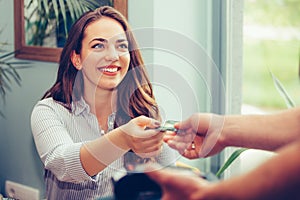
x=39, y=36
x=92, y=122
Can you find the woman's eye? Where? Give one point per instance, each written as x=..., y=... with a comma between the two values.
x=98, y=46
x=123, y=46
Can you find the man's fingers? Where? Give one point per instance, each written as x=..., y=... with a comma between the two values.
x=180, y=147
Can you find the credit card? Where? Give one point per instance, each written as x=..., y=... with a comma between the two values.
x=168, y=126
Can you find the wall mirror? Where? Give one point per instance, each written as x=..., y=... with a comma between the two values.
x=41, y=26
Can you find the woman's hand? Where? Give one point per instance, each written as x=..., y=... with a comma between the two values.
x=141, y=136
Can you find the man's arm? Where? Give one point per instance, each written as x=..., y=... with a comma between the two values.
x=277, y=178
x=210, y=133
x=268, y=132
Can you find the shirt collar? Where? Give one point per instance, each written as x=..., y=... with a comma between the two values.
x=80, y=106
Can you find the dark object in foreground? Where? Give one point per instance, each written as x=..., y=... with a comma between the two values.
x=136, y=186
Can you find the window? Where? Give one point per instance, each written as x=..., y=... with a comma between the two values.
x=271, y=36
x=271, y=42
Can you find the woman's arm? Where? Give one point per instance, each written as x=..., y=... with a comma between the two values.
x=65, y=147
x=98, y=154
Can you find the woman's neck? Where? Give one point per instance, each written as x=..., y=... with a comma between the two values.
x=102, y=104
x=99, y=102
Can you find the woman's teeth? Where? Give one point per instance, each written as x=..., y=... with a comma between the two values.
x=109, y=70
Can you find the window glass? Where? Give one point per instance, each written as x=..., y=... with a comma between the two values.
x=271, y=44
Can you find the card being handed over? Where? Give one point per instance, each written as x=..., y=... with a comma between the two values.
x=168, y=126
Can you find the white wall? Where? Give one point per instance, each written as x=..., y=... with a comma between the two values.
x=173, y=39
x=180, y=57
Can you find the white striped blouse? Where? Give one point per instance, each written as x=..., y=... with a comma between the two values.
x=59, y=135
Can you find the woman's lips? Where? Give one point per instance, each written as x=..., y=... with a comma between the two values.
x=109, y=70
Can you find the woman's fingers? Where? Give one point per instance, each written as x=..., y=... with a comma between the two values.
x=152, y=152
x=140, y=144
x=144, y=121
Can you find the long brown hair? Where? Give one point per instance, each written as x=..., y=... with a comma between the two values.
x=135, y=94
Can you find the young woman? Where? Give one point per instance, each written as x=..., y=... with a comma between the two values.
x=100, y=109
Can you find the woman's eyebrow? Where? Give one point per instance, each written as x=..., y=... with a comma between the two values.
x=99, y=39
x=106, y=41
x=121, y=40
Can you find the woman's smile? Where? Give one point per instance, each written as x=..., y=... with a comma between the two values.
x=110, y=70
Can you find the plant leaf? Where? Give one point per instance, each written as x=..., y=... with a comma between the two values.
x=63, y=12
x=24, y=64
x=13, y=73
x=7, y=55
x=46, y=7
x=71, y=10
x=232, y=157
x=282, y=91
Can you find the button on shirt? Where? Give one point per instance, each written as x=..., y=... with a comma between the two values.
x=59, y=135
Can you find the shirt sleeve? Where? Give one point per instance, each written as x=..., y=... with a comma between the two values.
x=58, y=152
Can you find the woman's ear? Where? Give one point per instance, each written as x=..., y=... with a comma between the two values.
x=75, y=58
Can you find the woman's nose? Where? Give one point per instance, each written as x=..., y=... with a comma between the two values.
x=112, y=54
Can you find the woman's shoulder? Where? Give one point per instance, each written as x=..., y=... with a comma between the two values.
x=47, y=102
x=50, y=103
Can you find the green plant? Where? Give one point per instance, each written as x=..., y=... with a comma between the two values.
x=9, y=73
x=282, y=91
x=46, y=17
x=230, y=160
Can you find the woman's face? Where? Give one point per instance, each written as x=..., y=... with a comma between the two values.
x=104, y=58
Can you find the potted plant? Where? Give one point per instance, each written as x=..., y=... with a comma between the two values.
x=54, y=17
x=8, y=72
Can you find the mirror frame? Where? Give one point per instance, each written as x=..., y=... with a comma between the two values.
x=48, y=54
